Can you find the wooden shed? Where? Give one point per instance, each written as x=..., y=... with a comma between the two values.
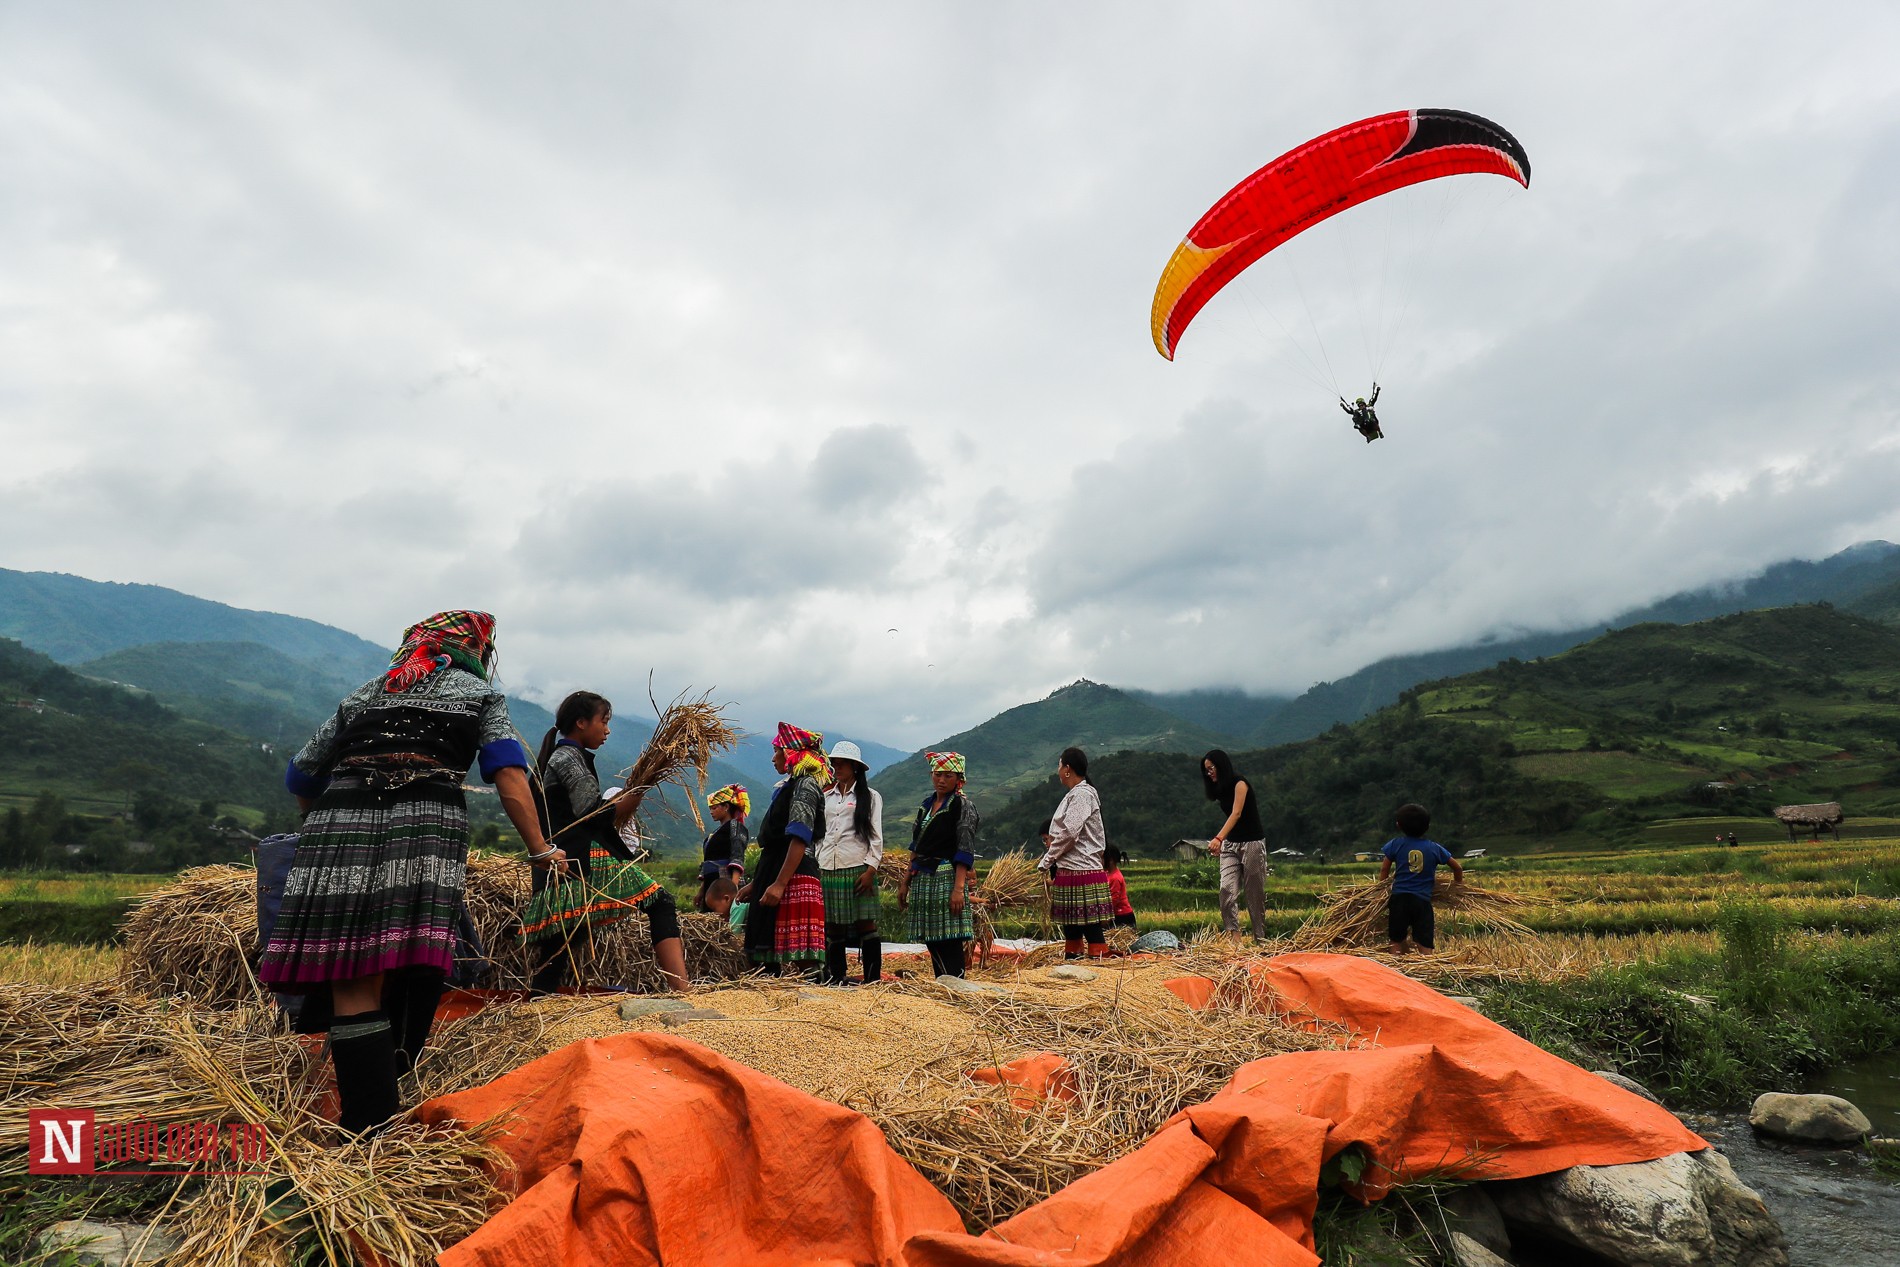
x=1814, y=818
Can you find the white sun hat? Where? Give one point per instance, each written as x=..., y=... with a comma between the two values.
x=845, y=750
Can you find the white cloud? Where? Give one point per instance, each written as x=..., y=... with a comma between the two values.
x=721, y=342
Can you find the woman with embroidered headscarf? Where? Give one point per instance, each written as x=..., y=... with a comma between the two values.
x=786, y=924
x=942, y=855
x=723, y=854
x=370, y=906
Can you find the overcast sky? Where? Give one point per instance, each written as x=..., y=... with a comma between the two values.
x=721, y=340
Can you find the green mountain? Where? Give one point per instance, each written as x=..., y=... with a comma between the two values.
x=1864, y=578
x=259, y=692
x=73, y=620
x=1018, y=749
x=98, y=745
x=1729, y=716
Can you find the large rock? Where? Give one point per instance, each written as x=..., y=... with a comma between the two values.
x=107, y=1244
x=1630, y=1085
x=1472, y=1214
x=1809, y=1119
x=1466, y=1252
x=1684, y=1210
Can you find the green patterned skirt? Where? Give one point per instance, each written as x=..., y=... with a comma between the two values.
x=844, y=904
x=930, y=917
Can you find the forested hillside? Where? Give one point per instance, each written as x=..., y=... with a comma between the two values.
x=1018, y=749
x=1733, y=715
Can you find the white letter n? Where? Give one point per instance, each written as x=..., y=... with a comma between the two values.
x=70, y=1147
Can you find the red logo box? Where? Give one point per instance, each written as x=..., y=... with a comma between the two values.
x=59, y=1141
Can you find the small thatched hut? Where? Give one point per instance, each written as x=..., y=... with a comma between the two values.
x=1813, y=817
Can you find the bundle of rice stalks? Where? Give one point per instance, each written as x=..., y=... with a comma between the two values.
x=126, y=1058
x=196, y=936
x=474, y=1050
x=1354, y=915
x=685, y=738
x=1012, y=883
x=398, y=1199
x=621, y=954
x=892, y=868
x=991, y=1157
x=404, y=1195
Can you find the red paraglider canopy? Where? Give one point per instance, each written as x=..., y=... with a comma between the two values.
x=1318, y=180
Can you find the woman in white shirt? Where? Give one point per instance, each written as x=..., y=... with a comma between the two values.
x=1079, y=898
x=848, y=858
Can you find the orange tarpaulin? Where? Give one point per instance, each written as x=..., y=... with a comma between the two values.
x=641, y=1147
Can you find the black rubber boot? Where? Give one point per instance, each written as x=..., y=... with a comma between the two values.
x=872, y=949
x=410, y=997
x=552, y=974
x=835, y=958
x=363, y=1048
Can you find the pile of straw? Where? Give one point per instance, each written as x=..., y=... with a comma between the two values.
x=992, y=1157
x=1139, y=1057
x=1355, y=915
x=405, y=1195
x=196, y=936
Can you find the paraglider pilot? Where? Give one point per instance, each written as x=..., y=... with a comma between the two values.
x=1364, y=420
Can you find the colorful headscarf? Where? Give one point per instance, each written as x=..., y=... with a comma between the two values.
x=464, y=638
x=804, y=752
x=733, y=794
x=945, y=763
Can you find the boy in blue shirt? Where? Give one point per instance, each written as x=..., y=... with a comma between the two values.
x=1413, y=861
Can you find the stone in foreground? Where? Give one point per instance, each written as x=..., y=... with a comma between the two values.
x=1683, y=1210
x=1070, y=972
x=1630, y=1085
x=107, y=1244
x=1809, y=1119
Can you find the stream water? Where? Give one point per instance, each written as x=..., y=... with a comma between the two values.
x=1873, y=1085
x=1836, y=1209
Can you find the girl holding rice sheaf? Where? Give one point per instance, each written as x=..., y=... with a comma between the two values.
x=605, y=883
x=786, y=920
x=1080, y=899
x=942, y=855
x=370, y=905
x=723, y=854
x=848, y=859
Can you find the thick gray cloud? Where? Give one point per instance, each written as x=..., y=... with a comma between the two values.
x=722, y=342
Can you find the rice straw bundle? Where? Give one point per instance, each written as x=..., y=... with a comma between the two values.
x=892, y=868
x=991, y=1157
x=1354, y=915
x=196, y=936
x=164, y=1060
x=1013, y=882
x=398, y=1198
x=684, y=740
x=405, y=1195
x=474, y=1050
